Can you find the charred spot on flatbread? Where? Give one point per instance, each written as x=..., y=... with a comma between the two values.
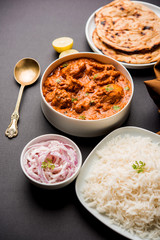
x=103, y=23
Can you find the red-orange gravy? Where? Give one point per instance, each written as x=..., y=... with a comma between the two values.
x=86, y=89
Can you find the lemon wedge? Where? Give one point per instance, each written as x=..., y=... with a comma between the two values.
x=67, y=52
x=62, y=44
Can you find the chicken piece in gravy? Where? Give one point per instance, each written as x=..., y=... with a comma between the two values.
x=86, y=89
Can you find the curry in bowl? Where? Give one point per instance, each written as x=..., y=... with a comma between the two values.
x=87, y=89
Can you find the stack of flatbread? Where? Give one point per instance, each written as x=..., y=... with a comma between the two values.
x=128, y=32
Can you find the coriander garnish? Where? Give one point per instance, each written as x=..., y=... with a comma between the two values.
x=95, y=76
x=116, y=107
x=108, y=88
x=48, y=164
x=82, y=117
x=58, y=80
x=74, y=99
x=86, y=93
x=139, y=167
x=65, y=65
x=126, y=88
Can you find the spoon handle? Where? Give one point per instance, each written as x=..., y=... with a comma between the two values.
x=12, y=129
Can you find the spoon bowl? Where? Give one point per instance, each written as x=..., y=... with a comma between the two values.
x=26, y=72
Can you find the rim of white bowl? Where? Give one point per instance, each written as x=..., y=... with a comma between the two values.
x=51, y=137
x=79, y=54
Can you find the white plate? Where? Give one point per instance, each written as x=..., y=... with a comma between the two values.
x=90, y=26
x=80, y=182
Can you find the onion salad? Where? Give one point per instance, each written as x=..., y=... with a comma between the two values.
x=50, y=161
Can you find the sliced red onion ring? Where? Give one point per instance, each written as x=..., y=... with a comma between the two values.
x=63, y=157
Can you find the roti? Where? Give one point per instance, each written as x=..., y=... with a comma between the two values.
x=128, y=26
x=133, y=58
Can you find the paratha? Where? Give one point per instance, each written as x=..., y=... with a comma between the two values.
x=134, y=58
x=128, y=26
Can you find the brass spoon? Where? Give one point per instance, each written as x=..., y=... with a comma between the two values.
x=26, y=72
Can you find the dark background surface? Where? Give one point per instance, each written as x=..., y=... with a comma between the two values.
x=27, y=29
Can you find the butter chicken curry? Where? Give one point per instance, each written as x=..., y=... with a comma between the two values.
x=86, y=89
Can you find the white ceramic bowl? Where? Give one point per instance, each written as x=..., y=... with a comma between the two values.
x=87, y=128
x=52, y=137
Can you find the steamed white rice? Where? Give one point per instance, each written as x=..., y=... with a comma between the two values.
x=114, y=188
